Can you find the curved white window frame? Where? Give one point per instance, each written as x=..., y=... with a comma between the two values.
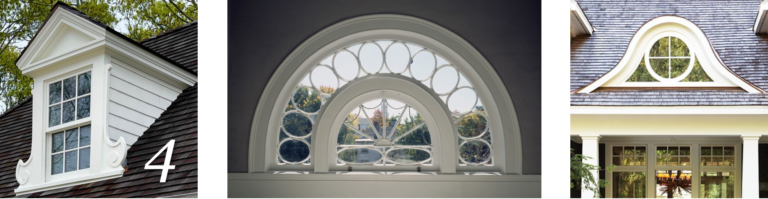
x=488, y=85
x=697, y=43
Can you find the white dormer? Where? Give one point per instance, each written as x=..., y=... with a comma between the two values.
x=95, y=93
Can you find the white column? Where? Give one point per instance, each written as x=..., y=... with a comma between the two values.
x=590, y=148
x=750, y=184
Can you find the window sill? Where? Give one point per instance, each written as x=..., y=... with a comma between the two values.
x=383, y=176
x=68, y=183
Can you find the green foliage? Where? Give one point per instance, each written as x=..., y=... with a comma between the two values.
x=697, y=74
x=580, y=170
x=14, y=86
x=630, y=184
x=146, y=18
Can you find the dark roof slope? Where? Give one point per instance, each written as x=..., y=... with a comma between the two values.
x=178, y=122
x=727, y=24
x=16, y=140
x=179, y=45
x=113, y=31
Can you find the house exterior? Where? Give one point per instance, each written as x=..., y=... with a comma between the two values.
x=103, y=108
x=671, y=97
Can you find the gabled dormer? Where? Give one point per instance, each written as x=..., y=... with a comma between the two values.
x=95, y=92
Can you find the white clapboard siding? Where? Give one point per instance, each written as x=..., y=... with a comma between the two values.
x=136, y=100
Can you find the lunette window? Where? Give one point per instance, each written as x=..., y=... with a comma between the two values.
x=70, y=150
x=380, y=57
x=69, y=99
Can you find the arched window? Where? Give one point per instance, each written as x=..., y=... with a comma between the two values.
x=387, y=98
x=376, y=133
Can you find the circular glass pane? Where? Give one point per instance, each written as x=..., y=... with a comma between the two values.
x=423, y=65
x=397, y=57
x=445, y=80
x=462, y=100
x=475, y=152
x=324, y=80
x=297, y=124
x=307, y=99
x=371, y=58
x=294, y=151
x=346, y=65
x=472, y=125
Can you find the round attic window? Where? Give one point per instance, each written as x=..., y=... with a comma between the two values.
x=669, y=58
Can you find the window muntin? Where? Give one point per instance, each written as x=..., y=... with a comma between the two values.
x=70, y=150
x=629, y=156
x=717, y=156
x=668, y=60
x=673, y=156
x=69, y=99
x=384, y=132
x=377, y=57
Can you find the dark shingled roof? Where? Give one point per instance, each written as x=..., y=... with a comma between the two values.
x=179, y=45
x=179, y=122
x=727, y=25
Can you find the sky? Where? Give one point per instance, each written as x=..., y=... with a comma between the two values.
x=371, y=59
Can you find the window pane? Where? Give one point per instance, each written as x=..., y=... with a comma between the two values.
x=294, y=150
x=475, y=151
x=673, y=182
x=57, y=163
x=728, y=150
x=69, y=88
x=672, y=161
x=641, y=73
x=717, y=161
x=705, y=150
x=54, y=115
x=697, y=73
x=85, y=135
x=628, y=184
x=640, y=156
x=685, y=150
x=297, y=124
x=661, y=160
x=672, y=151
x=660, y=67
x=685, y=161
x=359, y=155
x=617, y=150
x=660, y=48
x=85, y=158
x=54, y=93
x=705, y=160
x=679, y=66
x=68, y=114
x=679, y=49
x=617, y=161
x=70, y=161
x=83, y=107
x=728, y=161
x=717, y=150
x=716, y=185
x=71, y=136
x=58, y=142
x=84, y=83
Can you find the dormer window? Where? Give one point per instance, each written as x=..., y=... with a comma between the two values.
x=69, y=99
x=669, y=60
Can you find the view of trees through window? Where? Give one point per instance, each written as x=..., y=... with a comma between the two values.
x=669, y=58
x=410, y=141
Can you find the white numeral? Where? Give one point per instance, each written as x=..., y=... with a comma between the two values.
x=166, y=164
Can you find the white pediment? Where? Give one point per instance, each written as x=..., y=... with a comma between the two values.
x=65, y=39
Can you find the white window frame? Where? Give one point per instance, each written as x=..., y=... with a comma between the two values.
x=651, y=168
x=49, y=158
x=77, y=123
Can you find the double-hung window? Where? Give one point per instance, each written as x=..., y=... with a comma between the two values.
x=68, y=123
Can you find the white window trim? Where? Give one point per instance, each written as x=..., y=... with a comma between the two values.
x=650, y=168
x=454, y=49
x=698, y=45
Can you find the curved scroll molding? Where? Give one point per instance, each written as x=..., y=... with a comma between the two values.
x=117, y=150
x=22, y=174
x=455, y=50
x=697, y=42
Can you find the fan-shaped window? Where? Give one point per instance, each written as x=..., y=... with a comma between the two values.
x=669, y=60
x=384, y=132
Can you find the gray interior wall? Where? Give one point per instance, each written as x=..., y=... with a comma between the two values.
x=262, y=33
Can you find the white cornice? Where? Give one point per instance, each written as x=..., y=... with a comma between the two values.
x=669, y=110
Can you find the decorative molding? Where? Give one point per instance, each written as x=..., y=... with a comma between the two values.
x=456, y=50
x=579, y=23
x=698, y=44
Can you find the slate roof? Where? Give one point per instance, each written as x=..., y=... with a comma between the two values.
x=178, y=122
x=726, y=23
x=179, y=45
